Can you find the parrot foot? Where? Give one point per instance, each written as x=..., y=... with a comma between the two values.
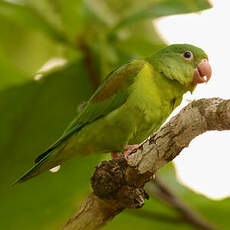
x=116, y=155
x=128, y=149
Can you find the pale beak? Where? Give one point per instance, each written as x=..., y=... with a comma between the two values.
x=202, y=72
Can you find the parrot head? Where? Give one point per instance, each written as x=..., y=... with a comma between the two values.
x=184, y=63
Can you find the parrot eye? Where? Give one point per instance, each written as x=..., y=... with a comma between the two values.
x=188, y=55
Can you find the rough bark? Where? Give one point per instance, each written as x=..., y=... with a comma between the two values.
x=118, y=184
x=93, y=213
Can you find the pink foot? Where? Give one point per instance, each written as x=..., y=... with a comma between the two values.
x=129, y=149
x=116, y=155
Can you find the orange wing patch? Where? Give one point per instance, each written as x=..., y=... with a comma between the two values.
x=122, y=78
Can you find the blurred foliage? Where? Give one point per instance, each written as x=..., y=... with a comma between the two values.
x=93, y=37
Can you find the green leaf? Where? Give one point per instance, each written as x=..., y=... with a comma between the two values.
x=118, y=14
x=10, y=75
x=138, y=46
x=29, y=51
x=143, y=44
x=103, y=12
x=155, y=9
x=72, y=15
x=29, y=18
x=32, y=116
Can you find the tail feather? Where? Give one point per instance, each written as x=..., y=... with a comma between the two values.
x=44, y=164
x=34, y=171
x=47, y=160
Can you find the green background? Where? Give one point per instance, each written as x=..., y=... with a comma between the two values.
x=94, y=37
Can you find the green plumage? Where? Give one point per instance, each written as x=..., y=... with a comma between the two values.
x=132, y=102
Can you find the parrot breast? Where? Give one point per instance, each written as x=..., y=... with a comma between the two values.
x=145, y=110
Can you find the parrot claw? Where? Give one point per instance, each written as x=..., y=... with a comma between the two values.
x=116, y=155
x=128, y=149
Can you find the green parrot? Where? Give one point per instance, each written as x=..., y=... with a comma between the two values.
x=130, y=104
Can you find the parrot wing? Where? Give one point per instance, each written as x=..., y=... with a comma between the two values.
x=111, y=94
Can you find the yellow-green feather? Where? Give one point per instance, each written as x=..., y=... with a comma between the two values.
x=132, y=102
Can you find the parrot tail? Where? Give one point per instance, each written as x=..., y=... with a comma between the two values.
x=49, y=158
x=42, y=165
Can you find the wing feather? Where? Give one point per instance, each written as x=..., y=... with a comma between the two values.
x=112, y=94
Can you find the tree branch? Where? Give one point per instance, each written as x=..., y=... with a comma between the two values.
x=119, y=184
x=93, y=214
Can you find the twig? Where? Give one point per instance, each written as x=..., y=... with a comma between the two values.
x=156, y=216
x=120, y=185
x=166, y=195
x=88, y=62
